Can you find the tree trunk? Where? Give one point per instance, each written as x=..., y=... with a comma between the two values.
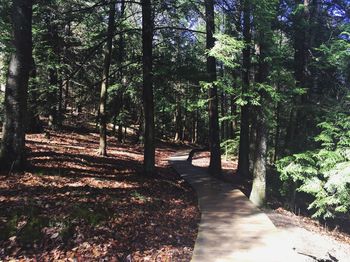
x=233, y=123
x=301, y=49
x=33, y=120
x=243, y=155
x=66, y=96
x=52, y=99
x=53, y=90
x=120, y=124
x=223, y=114
x=214, y=129
x=178, y=121
x=253, y=136
x=60, y=105
x=226, y=123
x=278, y=130
x=13, y=142
x=264, y=43
x=105, y=82
x=258, y=193
x=120, y=99
x=148, y=99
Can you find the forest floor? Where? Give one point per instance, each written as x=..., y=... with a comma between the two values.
x=309, y=237
x=72, y=205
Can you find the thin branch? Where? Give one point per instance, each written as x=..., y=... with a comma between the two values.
x=99, y=4
x=179, y=28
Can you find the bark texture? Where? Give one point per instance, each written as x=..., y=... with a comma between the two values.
x=148, y=99
x=264, y=43
x=105, y=81
x=12, y=154
x=243, y=155
x=214, y=129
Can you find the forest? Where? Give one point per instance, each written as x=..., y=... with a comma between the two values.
x=96, y=95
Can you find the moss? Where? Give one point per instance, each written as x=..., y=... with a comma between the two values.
x=91, y=216
x=49, y=172
x=138, y=196
x=32, y=231
x=67, y=232
x=9, y=228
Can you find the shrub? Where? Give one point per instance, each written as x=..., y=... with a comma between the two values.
x=323, y=173
x=230, y=147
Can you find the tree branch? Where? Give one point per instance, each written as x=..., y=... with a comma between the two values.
x=179, y=28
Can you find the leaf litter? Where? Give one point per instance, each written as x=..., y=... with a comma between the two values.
x=72, y=205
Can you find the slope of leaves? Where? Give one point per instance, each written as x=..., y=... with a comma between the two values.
x=74, y=205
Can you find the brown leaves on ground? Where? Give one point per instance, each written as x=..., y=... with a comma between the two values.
x=72, y=205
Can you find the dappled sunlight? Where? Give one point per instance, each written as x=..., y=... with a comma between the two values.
x=72, y=203
x=229, y=166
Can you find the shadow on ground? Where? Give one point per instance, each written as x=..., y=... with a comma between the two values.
x=72, y=203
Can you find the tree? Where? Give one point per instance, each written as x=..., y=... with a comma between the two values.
x=12, y=154
x=148, y=99
x=264, y=15
x=243, y=157
x=105, y=80
x=214, y=130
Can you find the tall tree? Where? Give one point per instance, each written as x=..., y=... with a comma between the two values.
x=105, y=80
x=301, y=33
x=121, y=54
x=13, y=141
x=243, y=157
x=214, y=130
x=148, y=97
x=264, y=14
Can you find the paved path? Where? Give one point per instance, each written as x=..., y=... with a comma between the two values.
x=231, y=227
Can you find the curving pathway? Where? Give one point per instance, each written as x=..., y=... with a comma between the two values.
x=231, y=227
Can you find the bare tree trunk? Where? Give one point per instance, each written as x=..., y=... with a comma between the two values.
x=178, y=121
x=253, y=136
x=214, y=129
x=105, y=82
x=66, y=96
x=148, y=99
x=13, y=142
x=53, y=89
x=223, y=114
x=243, y=158
x=33, y=120
x=278, y=130
x=60, y=105
x=258, y=193
x=120, y=99
x=226, y=123
x=233, y=123
x=53, y=80
x=120, y=124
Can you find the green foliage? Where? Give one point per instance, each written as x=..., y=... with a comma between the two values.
x=8, y=228
x=230, y=147
x=26, y=224
x=323, y=173
x=226, y=50
x=31, y=232
x=88, y=214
